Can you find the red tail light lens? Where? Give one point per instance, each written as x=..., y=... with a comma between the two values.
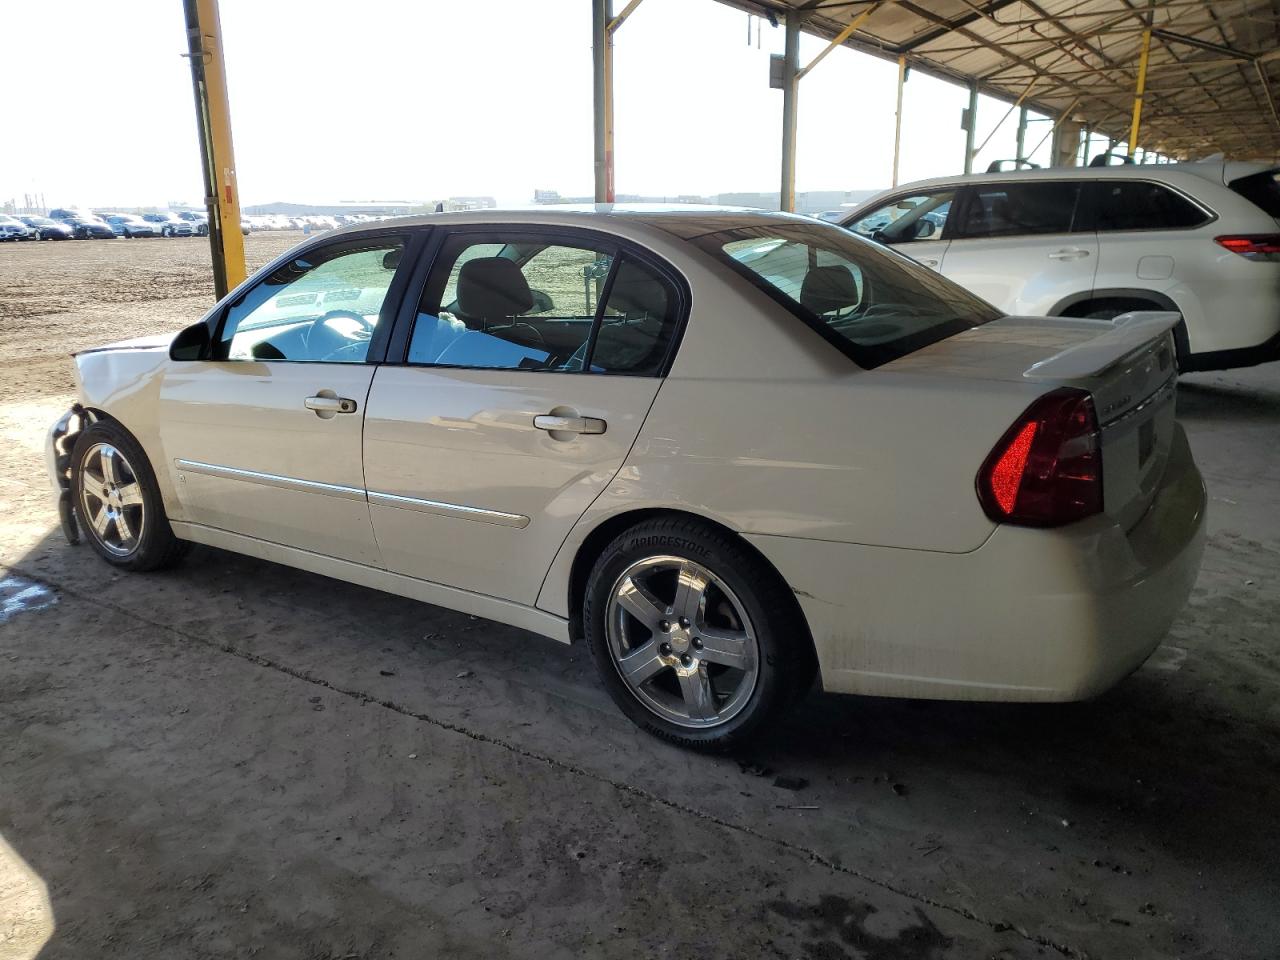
x=1046, y=470
x=1253, y=246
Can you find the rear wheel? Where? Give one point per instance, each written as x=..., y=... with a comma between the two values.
x=118, y=500
x=696, y=639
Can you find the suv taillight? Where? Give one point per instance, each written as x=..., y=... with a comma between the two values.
x=1046, y=470
x=1253, y=246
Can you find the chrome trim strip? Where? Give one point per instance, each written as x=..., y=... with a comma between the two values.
x=1158, y=396
x=270, y=480
x=440, y=509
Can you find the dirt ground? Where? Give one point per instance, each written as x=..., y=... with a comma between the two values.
x=236, y=759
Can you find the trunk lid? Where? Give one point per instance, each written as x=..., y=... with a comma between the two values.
x=1127, y=365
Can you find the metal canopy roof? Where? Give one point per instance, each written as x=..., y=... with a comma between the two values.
x=1211, y=82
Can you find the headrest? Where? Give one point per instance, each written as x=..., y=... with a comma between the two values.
x=829, y=288
x=492, y=288
x=391, y=259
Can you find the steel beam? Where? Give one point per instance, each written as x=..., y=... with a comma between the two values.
x=213, y=117
x=897, y=121
x=790, y=96
x=970, y=135
x=602, y=97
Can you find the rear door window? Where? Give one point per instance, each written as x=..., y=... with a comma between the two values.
x=1142, y=205
x=1018, y=209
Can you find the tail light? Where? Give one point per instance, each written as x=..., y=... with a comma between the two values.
x=1046, y=470
x=1253, y=246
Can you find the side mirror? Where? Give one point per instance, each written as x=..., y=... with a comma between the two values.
x=925, y=229
x=193, y=343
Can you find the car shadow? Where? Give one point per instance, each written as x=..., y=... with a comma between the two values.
x=1202, y=400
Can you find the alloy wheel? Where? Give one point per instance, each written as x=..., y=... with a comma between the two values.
x=681, y=641
x=111, y=502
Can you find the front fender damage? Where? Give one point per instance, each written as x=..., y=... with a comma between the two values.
x=62, y=440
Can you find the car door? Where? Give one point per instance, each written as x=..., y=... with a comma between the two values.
x=1021, y=245
x=912, y=223
x=263, y=437
x=532, y=361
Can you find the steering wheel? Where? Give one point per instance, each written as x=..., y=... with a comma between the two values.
x=325, y=338
x=366, y=324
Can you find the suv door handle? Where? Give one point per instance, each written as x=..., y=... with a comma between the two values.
x=933, y=264
x=1073, y=253
x=555, y=424
x=330, y=405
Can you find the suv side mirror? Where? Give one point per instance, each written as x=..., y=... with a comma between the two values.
x=925, y=229
x=193, y=343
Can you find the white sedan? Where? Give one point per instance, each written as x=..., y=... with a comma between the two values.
x=734, y=451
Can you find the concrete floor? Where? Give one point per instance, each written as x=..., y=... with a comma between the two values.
x=236, y=759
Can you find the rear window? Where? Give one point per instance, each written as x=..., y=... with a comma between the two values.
x=873, y=305
x=1142, y=205
x=1262, y=189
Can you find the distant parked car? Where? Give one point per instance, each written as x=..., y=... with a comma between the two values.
x=199, y=221
x=86, y=226
x=12, y=228
x=47, y=229
x=169, y=224
x=128, y=225
x=1200, y=239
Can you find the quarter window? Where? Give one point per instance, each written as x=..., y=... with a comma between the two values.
x=1141, y=205
x=907, y=219
x=322, y=306
x=1019, y=209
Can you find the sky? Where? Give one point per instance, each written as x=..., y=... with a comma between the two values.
x=425, y=99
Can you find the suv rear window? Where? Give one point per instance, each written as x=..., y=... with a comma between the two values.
x=1262, y=189
x=873, y=305
x=1142, y=205
x=1018, y=209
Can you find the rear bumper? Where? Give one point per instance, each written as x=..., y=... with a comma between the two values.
x=1031, y=615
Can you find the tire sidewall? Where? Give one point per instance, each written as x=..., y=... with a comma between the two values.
x=744, y=577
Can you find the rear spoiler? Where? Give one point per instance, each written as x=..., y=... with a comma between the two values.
x=1116, y=339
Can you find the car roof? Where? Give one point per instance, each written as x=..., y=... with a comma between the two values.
x=680, y=220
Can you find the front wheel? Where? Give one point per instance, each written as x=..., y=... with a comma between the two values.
x=118, y=502
x=696, y=639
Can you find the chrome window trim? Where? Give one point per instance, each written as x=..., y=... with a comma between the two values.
x=441, y=509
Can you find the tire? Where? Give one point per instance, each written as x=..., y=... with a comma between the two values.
x=715, y=677
x=112, y=482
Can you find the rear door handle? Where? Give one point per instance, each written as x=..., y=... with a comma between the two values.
x=555, y=424
x=1075, y=253
x=330, y=405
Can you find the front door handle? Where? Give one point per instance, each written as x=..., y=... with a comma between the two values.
x=932, y=264
x=1074, y=253
x=556, y=424
x=326, y=407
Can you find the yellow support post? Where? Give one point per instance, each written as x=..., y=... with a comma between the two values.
x=213, y=111
x=1142, y=86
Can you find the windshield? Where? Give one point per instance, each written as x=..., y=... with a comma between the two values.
x=872, y=304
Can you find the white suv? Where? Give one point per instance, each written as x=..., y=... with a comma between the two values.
x=1202, y=239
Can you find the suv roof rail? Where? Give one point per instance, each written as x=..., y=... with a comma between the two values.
x=995, y=166
x=1104, y=159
